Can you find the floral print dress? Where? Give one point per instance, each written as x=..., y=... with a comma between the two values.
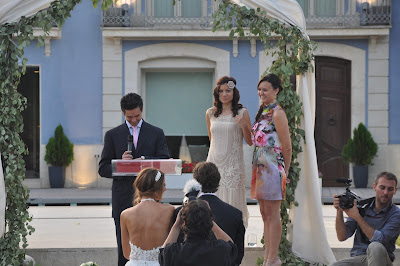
x=268, y=180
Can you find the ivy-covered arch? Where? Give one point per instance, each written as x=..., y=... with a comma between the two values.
x=14, y=37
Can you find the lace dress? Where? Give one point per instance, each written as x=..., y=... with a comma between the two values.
x=140, y=257
x=226, y=151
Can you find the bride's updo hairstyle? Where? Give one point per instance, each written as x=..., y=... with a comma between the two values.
x=148, y=183
x=236, y=106
x=197, y=219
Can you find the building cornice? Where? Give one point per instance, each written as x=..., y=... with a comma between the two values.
x=207, y=34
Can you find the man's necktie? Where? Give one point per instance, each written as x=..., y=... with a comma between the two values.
x=135, y=136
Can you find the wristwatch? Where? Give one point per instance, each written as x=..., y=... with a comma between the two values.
x=142, y=157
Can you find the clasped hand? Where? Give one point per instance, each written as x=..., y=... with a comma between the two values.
x=240, y=121
x=128, y=156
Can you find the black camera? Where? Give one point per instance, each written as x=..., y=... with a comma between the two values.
x=346, y=200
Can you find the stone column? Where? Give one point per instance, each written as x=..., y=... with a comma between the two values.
x=378, y=101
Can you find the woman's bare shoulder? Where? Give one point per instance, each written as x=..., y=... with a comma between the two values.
x=128, y=212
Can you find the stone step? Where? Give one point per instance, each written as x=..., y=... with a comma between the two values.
x=76, y=196
x=108, y=256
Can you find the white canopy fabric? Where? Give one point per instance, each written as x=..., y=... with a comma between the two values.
x=13, y=10
x=2, y=201
x=307, y=220
x=286, y=11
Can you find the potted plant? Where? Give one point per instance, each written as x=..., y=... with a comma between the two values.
x=320, y=175
x=59, y=154
x=360, y=150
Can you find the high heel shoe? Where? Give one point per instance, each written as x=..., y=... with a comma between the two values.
x=274, y=262
x=265, y=262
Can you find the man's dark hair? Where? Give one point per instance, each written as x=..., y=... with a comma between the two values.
x=386, y=175
x=197, y=219
x=207, y=174
x=131, y=101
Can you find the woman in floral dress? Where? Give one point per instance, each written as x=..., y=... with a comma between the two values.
x=271, y=161
x=228, y=123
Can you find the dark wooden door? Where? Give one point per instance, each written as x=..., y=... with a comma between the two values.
x=332, y=118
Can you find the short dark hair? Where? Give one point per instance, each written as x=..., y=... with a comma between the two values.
x=146, y=185
x=197, y=219
x=207, y=174
x=386, y=175
x=131, y=101
x=236, y=106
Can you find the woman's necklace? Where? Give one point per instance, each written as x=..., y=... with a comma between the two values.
x=148, y=199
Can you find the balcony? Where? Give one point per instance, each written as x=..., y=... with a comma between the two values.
x=346, y=13
x=160, y=14
x=197, y=14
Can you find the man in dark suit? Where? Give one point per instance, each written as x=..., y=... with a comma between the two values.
x=149, y=143
x=227, y=217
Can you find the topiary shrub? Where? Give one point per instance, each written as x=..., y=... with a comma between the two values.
x=59, y=150
x=361, y=149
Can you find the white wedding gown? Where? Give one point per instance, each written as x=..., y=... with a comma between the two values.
x=140, y=257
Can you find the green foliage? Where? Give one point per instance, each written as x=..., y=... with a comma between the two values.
x=14, y=37
x=59, y=150
x=90, y=263
x=294, y=55
x=361, y=149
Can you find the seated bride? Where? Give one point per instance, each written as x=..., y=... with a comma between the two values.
x=145, y=226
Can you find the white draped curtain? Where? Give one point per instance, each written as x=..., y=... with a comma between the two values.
x=307, y=222
x=307, y=219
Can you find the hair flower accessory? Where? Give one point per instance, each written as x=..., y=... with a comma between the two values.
x=231, y=84
x=158, y=176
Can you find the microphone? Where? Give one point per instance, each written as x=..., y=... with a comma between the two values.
x=191, y=189
x=343, y=180
x=130, y=143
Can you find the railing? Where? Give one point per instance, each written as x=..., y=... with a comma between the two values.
x=184, y=14
x=346, y=13
x=197, y=14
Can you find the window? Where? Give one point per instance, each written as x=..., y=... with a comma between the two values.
x=163, y=8
x=177, y=103
x=191, y=8
x=29, y=88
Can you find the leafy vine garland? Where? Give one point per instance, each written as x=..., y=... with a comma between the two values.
x=14, y=37
x=294, y=55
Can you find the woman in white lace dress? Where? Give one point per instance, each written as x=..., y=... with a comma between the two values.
x=145, y=226
x=228, y=122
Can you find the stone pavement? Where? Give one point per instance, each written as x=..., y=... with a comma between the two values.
x=77, y=232
x=75, y=196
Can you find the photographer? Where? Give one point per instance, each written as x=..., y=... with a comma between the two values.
x=376, y=230
x=196, y=221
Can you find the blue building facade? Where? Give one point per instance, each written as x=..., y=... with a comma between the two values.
x=169, y=55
